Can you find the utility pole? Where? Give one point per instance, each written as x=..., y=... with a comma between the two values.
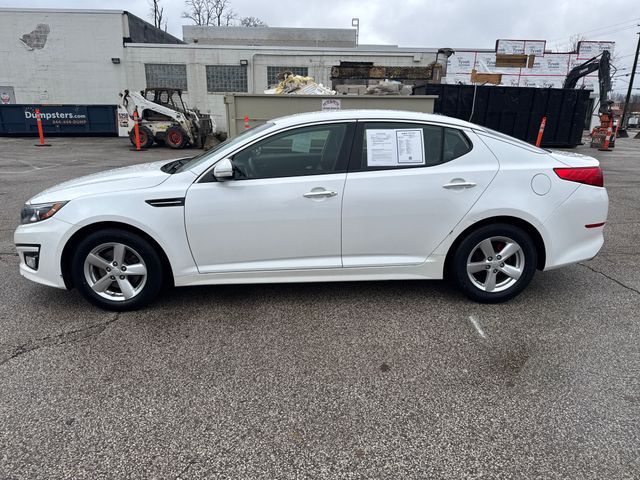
x=623, y=125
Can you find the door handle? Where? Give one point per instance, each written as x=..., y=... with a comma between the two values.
x=459, y=185
x=320, y=193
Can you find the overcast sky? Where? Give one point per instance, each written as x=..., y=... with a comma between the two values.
x=410, y=23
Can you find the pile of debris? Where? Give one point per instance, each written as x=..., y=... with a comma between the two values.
x=378, y=87
x=390, y=87
x=291, y=84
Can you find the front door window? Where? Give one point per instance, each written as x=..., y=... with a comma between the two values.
x=312, y=150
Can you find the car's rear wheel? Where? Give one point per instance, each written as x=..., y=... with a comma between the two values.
x=117, y=270
x=494, y=263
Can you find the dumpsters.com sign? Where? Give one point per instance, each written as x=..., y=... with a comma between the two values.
x=58, y=116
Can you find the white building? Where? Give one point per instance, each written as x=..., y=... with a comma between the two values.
x=89, y=56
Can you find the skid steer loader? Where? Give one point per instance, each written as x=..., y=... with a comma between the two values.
x=164, y=118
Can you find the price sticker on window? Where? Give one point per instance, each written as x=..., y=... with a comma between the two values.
x=395, y=147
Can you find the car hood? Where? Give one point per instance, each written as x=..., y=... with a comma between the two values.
x=573, y=159
x=135, y=177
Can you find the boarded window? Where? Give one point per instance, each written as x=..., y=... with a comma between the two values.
x=272, y=73
x=226, y=78
x=166, y=75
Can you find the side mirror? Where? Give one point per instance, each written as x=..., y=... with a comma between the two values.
x=223, y=169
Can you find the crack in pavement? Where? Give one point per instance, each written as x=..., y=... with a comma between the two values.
x=60, y=339
x=610, y=278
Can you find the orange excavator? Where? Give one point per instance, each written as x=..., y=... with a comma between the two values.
x=601, y=63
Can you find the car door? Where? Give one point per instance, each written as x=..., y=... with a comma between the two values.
x=407, y=186
x=280, y=211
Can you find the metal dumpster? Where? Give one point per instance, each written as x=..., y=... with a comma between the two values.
x=517, y=111
x=73, y=120
x=261, y=108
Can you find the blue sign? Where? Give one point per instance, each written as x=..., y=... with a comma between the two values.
x=59, y=120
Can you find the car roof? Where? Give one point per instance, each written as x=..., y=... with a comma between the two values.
x=370, y=114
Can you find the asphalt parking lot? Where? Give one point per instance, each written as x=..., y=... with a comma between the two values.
x=322, y=381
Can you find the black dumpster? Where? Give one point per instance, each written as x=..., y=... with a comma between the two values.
x=57, y=120
x=517, y=111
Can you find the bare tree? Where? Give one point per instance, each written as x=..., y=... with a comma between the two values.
x=216, y=13
x=252, y=22
x=229, y=17
x=158, y=14
x=198, y=11
x=574, y=41
x=220, y=7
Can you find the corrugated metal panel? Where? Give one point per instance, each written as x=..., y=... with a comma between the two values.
x=517, y=111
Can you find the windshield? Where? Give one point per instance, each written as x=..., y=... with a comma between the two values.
x=229, y=142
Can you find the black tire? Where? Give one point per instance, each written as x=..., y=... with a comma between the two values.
x=175, y=137
x=138, y=251
x=506, y=287
x=146, y=137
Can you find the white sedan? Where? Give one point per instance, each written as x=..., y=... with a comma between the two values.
x=324, y=196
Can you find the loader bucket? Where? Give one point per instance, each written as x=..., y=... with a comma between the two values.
x=210, y=141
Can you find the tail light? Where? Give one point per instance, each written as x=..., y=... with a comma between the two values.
x=586, y=175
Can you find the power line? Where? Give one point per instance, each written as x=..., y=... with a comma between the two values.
x=627, y=24
x=568, y=43
x=632, y=20
x=615, y=30
x=623, y=56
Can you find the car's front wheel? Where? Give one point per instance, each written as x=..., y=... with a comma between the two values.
x=494, y=263
x=117, y=270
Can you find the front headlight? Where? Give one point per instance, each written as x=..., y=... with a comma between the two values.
x=39, y=212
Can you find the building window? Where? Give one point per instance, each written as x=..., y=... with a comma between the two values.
x=166, y=75
x=272, y=73
x=227, y=78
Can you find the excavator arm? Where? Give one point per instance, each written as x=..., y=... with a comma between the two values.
x=601, y=64
x=601, y=135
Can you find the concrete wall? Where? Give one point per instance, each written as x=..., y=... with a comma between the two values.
x=66, y=57
x=271, y=36
x=196, y=57
x=69, y=60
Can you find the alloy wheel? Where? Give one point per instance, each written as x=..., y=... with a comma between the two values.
x=495, y=264
x=115, y=271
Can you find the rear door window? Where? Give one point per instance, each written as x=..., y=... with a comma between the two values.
x=393, y=145
x=455, y=145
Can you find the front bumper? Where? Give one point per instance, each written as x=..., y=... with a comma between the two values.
x=47, y=238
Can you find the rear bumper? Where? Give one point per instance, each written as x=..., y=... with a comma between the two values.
x=48, y=237
x=568, y=239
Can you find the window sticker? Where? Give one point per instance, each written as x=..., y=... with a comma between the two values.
x=301, y=143
x=395, y=147
x=410, y=146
